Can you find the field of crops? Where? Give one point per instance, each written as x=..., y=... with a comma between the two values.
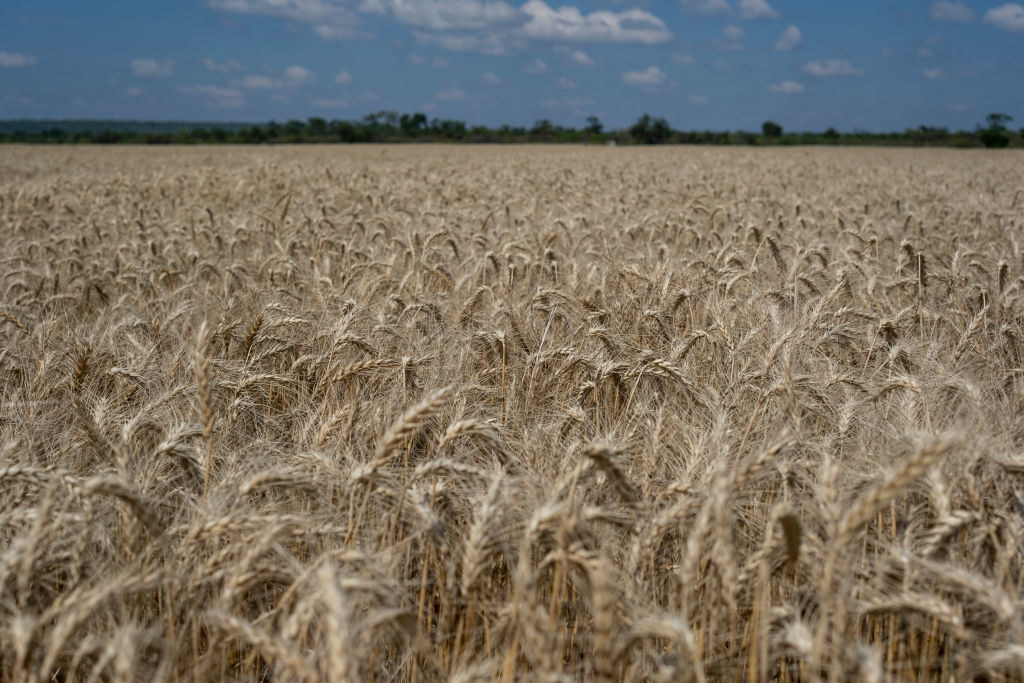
x=428, y=413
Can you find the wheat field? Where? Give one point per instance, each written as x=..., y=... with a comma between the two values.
x=435, y=413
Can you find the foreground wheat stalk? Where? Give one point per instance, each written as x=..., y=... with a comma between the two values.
x=429, y=414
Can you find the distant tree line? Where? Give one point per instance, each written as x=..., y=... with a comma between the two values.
x=390, y=126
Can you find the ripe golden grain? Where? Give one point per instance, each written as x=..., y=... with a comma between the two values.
x=449, y=413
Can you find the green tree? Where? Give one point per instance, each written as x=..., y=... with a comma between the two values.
x=317, y=127
x=594, y=125
x=995, y=136
x=997, y=120
x=413, y=124
x=770, y=129
x=650, y=131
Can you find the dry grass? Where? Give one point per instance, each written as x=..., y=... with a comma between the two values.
x=437, y=413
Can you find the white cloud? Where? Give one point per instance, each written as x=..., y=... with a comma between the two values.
x=444, y=15
x=932, y=74
x=16, y=60
x=787, y=87
x=491, y=78
x=343, y=77
x=327, y=103
x=298, y=75
x=435, y=62
x=651, y=76
x=330, y=20
x=757, y=9
x=486, y=43
x=925, y=52
x=699, y=99
x=707, y=8
x=567, y=84
x=952, y=11
x=293, y=77
x=133, y=92
x=581, y=57
x=680, y=59
x=733, y=32
x=451, y=95
x=227, y=66
x=1009, y=17
x=539, y=66
x=257, y=82
x=790, y=39
x=217, y=95
x=152, y=68
x=569, y=24
x=831, y=67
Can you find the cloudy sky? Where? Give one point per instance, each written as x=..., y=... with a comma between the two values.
x=703, y=64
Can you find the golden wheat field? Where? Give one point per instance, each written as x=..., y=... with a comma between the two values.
x=436, y=413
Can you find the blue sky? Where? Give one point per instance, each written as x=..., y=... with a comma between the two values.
x=703, y=64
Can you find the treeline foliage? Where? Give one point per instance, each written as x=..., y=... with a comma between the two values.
x=390, y=126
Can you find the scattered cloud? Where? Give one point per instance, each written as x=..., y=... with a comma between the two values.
x=733, y=38
x=831, y=67
x=952, y=11
x=343, y=77
x=329, y=20
x=451, y=95
x=925, y=53
x=227, y=66
x=1009, y=17
x=757, y=9
x=218, y=96
x=733, y=32
x=790, y=39
x=152, y=68
x=581, y=58
x=578, y=56
x=298, y=75
x=328, y=103
x=681, y=59
x=699, y=99
x=433, y=62
x=932, y=74
x=444, y=15
x=567, y=84
x=491, y=78
x=651, y=76
x=569, y=24
x=258, y=82
x=133, y=92
x=16, y=60
x=787, y=87
x=292, y=77
x=539, y=66
x=495, y=43
x=707, y=8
